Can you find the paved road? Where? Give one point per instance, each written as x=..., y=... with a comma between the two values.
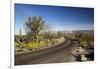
x=62, y=55
x=59, y=54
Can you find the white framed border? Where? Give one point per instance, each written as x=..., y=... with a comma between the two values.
x=70, y=3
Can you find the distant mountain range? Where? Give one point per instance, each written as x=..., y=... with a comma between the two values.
x=71, y=32
x=81, y=31
x=85, y=31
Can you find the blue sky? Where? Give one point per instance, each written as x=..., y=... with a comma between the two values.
x=59, y=18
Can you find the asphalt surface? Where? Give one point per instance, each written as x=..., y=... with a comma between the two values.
x=60, y=55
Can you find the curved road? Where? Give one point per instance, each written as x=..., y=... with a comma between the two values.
x=58, y=56
x=63, y=55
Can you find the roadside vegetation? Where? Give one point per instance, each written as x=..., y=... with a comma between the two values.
x=37, y=36
x=86, y=45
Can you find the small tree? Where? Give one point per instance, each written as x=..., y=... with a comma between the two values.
x=77, y=35
x=86, y=39
x=59, y=34
x=34, y=26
